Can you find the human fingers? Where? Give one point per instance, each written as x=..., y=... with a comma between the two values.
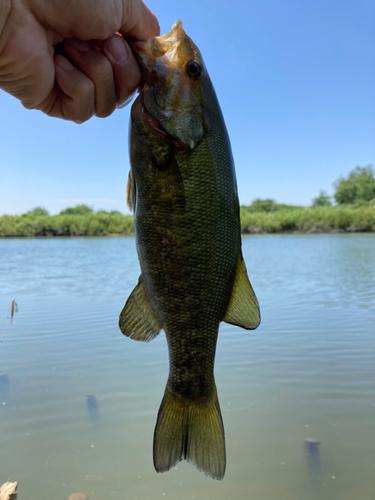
x=138, y=21
x=92, y=82
x=95, y=19
x=97, y=82
x=73, y=95
x=92, y=63
x=29, y=71
x=126, y=72
x=26, y=64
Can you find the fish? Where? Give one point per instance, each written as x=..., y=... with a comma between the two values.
x=182, y=190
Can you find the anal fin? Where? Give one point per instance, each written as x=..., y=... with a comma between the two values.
x=137, y=319
x=243, y=307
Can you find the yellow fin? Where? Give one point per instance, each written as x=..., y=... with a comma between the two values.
x=243, y=307
x=190, y=431
x=129, y=193
x=138, y=320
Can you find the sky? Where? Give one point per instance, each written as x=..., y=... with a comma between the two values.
x=296, y=83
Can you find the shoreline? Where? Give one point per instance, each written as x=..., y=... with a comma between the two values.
x=255, y=232
x=338, y=219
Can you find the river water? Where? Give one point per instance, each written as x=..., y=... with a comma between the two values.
x=307, y=372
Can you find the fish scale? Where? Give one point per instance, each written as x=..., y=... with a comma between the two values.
x=184, y=195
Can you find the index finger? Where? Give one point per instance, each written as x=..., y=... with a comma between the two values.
x=138, y=21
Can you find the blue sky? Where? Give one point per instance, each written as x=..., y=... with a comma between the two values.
x=296, y=83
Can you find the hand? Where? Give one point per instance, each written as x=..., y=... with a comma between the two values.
x=93, y=72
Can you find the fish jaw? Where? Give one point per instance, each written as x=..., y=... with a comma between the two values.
x=146, y=52
x=170, y=93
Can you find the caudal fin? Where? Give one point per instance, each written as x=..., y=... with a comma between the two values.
x=191, y=432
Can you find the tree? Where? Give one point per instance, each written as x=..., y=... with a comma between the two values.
x=323, y=200
x=259, y=205
x=77, y=210
x=38, y=211
x=359, y=185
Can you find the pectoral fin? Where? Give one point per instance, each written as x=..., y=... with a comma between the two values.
x=243, y=308
x=138, y=320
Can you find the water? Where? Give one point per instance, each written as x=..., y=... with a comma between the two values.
x=307, y=372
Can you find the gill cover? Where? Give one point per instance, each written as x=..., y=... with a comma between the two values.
x=173, y=75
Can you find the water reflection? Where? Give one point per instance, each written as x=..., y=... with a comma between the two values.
x=92, y=407
x=312, y=452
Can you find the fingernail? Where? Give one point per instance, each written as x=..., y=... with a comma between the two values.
x=79, y=45
x=126, y=102
x=117, y=49
x=63, y=63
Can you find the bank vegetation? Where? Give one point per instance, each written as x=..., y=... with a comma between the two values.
x=354, y=212
x=262, y=216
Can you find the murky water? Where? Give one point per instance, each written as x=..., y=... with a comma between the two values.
x=79, y=409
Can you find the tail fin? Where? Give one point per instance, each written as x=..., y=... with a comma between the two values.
x=191, y=432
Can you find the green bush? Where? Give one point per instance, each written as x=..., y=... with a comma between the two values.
x=310, y=219
x=266, y=205
x=38, y=211
x=359, y=216
x=91, y=224
x=7, y=226
x=323, y=200
x=77, y=210
x=359, y=185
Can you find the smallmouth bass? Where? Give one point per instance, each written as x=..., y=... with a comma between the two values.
x=183, y=192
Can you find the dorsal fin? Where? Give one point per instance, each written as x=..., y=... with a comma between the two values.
x=130, y=198
x=243, y=307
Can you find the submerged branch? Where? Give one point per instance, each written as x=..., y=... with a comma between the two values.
x=10, y=316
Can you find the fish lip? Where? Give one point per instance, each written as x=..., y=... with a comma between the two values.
x=175, y=33
x=146, y=51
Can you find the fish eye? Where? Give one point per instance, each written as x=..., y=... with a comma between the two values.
x=194, y=69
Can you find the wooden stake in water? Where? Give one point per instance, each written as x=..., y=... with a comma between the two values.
x=8, y=491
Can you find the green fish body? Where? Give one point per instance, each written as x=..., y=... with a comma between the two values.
x=183, y=192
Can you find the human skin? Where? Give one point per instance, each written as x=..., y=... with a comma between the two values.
x=93, y=72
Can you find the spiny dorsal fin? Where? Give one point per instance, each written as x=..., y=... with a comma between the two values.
x=243, y=308
x=129, y=193
x=138, y=320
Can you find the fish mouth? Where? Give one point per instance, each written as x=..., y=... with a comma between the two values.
x=175, y=33
x=154, y=117
x=151, y=121
x=160, y=63
x=157, y=48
